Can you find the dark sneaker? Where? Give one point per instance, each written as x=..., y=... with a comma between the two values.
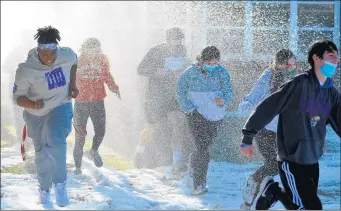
x=265, y=198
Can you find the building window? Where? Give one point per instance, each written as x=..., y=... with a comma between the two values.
x=228, y=41
x=248, y=29
x=220, y=13
x=270, y=28
x=316, y=15
x=269, y=41
x=305, y=38
x=265, y=14
x=314, y=22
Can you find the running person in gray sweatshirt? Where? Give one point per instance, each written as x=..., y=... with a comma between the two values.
x=282, y=69
x=204, y=91
x=44, y=85
x=305, y=105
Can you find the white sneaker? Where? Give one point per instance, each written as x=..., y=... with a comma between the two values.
x=250, y=190
x=62, y=197
x=94, y=155
x=44, y=196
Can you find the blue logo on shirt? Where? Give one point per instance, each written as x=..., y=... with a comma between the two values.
x=15, y=87
x=55, y=78
x=314, y=120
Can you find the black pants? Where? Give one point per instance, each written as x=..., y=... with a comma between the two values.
x=204, y=132
x=82, y=112
x=266, y=144
x=300, y=186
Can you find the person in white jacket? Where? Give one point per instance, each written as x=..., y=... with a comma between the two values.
x=44, y=85
x=283, y=69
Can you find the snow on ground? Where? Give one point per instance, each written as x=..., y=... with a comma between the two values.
x=145, y=189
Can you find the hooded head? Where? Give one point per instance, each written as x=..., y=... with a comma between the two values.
x=285, y=62
x=209, y=58
x=174, y=36
x=91, y=45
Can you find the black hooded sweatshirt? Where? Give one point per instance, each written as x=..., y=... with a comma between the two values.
x=305, y=107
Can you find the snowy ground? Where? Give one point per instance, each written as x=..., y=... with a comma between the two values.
x=144, y=189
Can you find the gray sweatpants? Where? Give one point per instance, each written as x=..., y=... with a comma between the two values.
x=49, y=135
x=84, y=110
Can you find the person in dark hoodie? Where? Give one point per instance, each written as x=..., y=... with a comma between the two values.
x=166, y=124
x=282, y=69
x=305, y=105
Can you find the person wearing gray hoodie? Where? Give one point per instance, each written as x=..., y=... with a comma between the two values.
x=44, y=85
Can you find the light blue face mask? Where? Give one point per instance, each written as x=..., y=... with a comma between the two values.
x=328, y=69
x=210, y=68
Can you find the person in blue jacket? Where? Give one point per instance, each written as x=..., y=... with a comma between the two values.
x=203, y=92
x=282, y=69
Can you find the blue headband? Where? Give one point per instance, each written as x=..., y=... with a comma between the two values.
x=48, y=46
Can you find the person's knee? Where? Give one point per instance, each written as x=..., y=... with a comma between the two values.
x=80, y=131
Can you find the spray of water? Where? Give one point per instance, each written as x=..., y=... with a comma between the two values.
x=128, y=29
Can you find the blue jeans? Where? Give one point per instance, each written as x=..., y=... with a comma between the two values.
x=49, y=135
